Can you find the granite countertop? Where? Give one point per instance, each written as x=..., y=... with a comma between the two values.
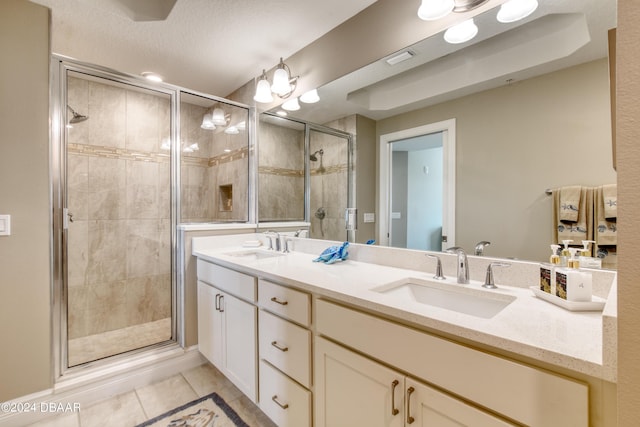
x=528, y=326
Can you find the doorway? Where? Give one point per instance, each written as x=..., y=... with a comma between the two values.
x=417, y=187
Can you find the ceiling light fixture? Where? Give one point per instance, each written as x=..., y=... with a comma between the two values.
x=207, y=122
x=283, y=84
x=218, y=118
x=510, y=11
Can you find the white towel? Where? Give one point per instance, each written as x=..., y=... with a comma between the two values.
x=570, y=203
x=610, y=200
x=605, y=229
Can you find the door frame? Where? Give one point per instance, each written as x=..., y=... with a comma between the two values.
x=448, y=128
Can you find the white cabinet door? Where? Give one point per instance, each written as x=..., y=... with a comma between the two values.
x=427, y=407
x=352, y=390
x=239, y=328
x=209, y=324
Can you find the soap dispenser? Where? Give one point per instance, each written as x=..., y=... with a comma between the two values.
x=548, y=271
x=586, y=260
x=572, y=284
x=565, y=255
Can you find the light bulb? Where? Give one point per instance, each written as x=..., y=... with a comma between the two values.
x=217, y=117
x=515, y=10
x=310, y=97
x=281, y=85
x=291, y=105
x=263, y=91
x=431, y=10
x=463, y=32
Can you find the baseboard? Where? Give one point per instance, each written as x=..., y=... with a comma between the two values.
x=85, y=389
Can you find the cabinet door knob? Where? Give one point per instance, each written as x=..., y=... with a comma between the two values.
x=410, y=419
x=394, y=410
x=277, y=301
x=275, y=399
x=279, y=347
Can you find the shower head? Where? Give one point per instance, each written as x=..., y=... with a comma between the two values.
x=313, y=157
x=77, y=118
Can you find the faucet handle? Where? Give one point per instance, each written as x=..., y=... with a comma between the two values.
x=488, y=281
x=438, y=275
x=480, y=247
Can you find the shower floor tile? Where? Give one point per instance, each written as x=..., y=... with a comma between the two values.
x=94, y=347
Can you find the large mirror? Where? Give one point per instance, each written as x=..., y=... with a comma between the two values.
x=531, y=104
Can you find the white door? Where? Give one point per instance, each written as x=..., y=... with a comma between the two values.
x=209, y=324
x=240, y=343
x=416, y=187
x=354, y=391
x=427, y=407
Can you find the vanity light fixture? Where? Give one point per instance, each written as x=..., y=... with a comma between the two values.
x=462, y=32
x=515, y=10
x=218, y=117
x=310, y=97
x=283, y=84
x=207, y=122
x=291, y=105
x=232, y=130
x=510, y=11
x=282, y=113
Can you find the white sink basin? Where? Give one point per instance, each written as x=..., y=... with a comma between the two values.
x=254, y=254
x=473, y=302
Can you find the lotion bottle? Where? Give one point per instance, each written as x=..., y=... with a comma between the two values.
x=548, y=272
x=572, y=284
x=586, y=260
x=565, y=255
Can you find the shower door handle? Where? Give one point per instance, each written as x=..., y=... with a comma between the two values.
x=67, y=217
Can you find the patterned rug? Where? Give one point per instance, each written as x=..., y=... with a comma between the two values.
x=207, y=411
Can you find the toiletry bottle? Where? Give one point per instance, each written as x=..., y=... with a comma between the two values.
x=572, y=284
x=565, y=255
x=586, y=260
x=548, y=272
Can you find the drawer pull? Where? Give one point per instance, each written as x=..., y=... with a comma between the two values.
x=394, y=410
x=275, y=344
x=217, y=302
x=277, y=301
x=410, y=419
x=275, y=399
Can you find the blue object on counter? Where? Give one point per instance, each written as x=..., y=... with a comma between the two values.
x=371, y=242
x=333, y=254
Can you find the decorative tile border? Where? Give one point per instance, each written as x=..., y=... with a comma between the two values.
x=330, y=169
x=117, y=153
x=268, y=170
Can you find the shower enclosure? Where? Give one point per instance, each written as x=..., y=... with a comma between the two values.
x=131, y=160
x=305, y=173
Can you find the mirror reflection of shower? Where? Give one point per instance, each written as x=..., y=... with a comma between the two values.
x=77, y=117
x=321, y=214
x=314, y=158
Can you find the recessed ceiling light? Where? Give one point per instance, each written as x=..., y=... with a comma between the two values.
x=150, y=75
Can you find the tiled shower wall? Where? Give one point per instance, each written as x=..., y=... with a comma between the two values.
x=329, y=187
x=118, y=180
x=280, y=173
x=207, y=169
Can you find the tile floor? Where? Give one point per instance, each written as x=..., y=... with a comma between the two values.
x=144, y=403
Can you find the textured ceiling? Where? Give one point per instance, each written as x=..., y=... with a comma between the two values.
x=212, y=46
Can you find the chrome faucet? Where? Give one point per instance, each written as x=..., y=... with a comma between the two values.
x=438, y=275
x=463, y=266
x=480, y=247
x=273, y=234
x=488, y=281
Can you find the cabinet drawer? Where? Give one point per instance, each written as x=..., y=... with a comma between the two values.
x=285, y=302
x=287, y=404
x=238, y=284
x=286, y=346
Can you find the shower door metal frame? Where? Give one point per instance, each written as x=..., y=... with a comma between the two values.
x=60, y=66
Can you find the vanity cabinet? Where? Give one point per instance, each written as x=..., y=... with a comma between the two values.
x=285, y=354
x=227, y=326
x=354, y=390
x=509, y=389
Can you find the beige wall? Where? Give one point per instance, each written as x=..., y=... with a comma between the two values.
x=507, y=154
x=628, y=146
x=25, y=301
x=365, y=156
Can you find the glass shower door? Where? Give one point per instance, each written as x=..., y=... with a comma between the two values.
x=118, y=269
x=330, y=177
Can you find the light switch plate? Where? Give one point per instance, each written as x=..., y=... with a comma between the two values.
x=5, y=225
x=370, y=217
